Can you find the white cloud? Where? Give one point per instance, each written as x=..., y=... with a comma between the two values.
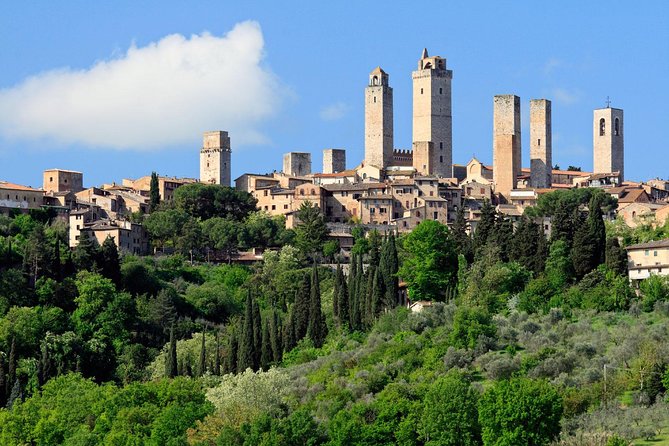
x=334, y=111
x=162, y=94
x=551, y=65
x=565, y=96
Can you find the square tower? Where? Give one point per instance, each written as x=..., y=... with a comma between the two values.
x=334, y=160
x=215, y=158
x=297, y=164
x=432, y=119
x=378, y=120
x=608, y=141
x=541, y=143
x=61, y=180
x=506, y=143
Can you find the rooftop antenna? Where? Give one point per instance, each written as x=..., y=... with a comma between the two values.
x=608, y=102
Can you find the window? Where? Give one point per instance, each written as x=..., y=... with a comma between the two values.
x=646, y=252
x=265, y=193
x=616, y=127
x=343, y=208
x=435, y=215
x=482, y=191
x=440, y=91
x=407, y=204
x=274, y=207
x=51, y=179
x=313, y=191
x=431, y=193
x=602, y=127
x=421, y=91
x=441, y=159
x=539, y=142
x=301, y=191
x=654, y=253
x=285, y=206
x=441, y=145
x=375, y=99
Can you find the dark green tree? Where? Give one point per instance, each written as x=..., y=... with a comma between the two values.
x=246, y=344
x=202, y=362
x=502, y=236
x=289, y=338
x=86, y=254
x=171, y=360
x=3, y=385
x=389, y=266
x=301, y=308
x=528, y=246
x=342, y=298
x=266, y=347
x=217, y=359
x=463, y=242
x=109, y=259
x=616, y=257
x=11, y=368
x=484, y=228
x=311, y=230
x=154, y=192
x=597, y=228
x=36, y=258
x=257, y=335
x=317, y=329
x=562, y=224
x=275, y=337
x=378, y=295
x=233, y=353
x=584, y=255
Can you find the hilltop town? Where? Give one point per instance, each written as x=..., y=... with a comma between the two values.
x=390, y=189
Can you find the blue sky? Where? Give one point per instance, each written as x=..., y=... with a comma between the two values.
x=100, y=87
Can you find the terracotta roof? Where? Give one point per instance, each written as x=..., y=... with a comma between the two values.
x=597, y=176
x=343, y=173
x=649, y=245
x=632, y=196
x=352, y=187
x=12, y=186
x=376, y=197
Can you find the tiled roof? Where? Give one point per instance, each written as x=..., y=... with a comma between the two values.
x=651, y=245
x=12, y=186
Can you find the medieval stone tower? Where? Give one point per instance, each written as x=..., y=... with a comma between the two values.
x=432, y=119
x=506, y=143
x=215, y=158
x=334, y=160
x=297, y=164
x=378, y=120
x=608, y=141
x=541, y=143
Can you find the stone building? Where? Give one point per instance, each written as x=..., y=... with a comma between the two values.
x=166, y=185
x=608, y=141
x=506, y=143
x=297, y=164
x=334, y=160
x=432, y=119
x=644, y=259
x=215, y=157
x=15, y=196
x=378, y=120
x=61, y=180
x=541, y=143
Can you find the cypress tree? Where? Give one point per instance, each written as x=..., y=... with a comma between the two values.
x=275, y=337
x=57, y=267
x=301, y=308
x=257, y=335
x=390, y=278
x=289, y=340
x=562, y=224
x=111, y=266
x=171, y=363
x=266, y=348
x=154, y=193
x=233, y=353
x=11, y=367
x=583, y=253
x=502, y=236
x=525, y=245
x=597, y=229
x=378, y=294
x=368, y=312
x=86, y=254
x=3, y=384
x=616, y=257
x=217, y=361
x=342, y=298
x=463, y=241
x=485, y=228
x=202, y=363
x=335, y=295
x=246, y=343
x=317, y=329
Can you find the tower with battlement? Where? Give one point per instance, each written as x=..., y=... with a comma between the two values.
x=608, y=141
x=432, y=118
x=378, y=120
x=506, y=143
x=215, y=158
x=541, y=143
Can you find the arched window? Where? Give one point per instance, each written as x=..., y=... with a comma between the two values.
x=441, y=91
x=616, y=127
x=375, y=80
x=602, y=127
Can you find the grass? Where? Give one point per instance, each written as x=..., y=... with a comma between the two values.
x=660, y=440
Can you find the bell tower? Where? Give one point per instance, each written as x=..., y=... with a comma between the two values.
x=378, y=120
x=608, y=141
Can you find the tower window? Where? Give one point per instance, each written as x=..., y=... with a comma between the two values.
x=539, y=142
x=441, y=145
x=616, y=127
x=602, y=127
x=421, y=91
x=441, y=159
x=440, y=91
x=375, y=99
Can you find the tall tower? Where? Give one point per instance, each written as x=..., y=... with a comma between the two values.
x=541, y=143
x=378, y=120
x=334, y=160
x=506, y=143
x=432, y=119
x=608, y=141
x=215, y=158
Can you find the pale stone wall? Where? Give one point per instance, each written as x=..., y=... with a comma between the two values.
x=608, y=141
x=422, y=157
x=432, y=114
x=59, y=180
x=378, y=120
x=215, y=158
x=334, y=160
x=21, y=198
x=506, y=143
x=297, y=163
x=541, y=143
